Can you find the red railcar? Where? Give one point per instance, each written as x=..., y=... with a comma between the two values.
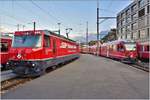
x=5, y=43
x=33, y=52
x=85, y=49
x=92, y=49
x=120, y=49
x=143, y=51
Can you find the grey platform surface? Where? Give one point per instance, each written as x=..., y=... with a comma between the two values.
x=89, y=77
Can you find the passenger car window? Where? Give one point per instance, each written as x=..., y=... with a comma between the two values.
x=121, y=48
x=46, y=41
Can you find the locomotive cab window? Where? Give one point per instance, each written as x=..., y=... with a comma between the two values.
x=33, y=41
x=121, y=48
x=4, y=47
x=46, y=41
x=130, y=46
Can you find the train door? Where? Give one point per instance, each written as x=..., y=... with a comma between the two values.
x=47, y=46
x=107, y=47
x=54, y=48
x=121, y=51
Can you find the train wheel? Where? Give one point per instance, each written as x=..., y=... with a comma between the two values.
x=54, y=67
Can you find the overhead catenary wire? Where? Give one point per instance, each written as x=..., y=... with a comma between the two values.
x=46, y=12
x=32, y=12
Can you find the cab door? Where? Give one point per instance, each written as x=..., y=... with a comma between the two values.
x=54, y=48
x=47, y=46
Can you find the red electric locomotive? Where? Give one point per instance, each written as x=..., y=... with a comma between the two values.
x=120, y=49
x=33, y=52
x=5, y=43
x=143, y=51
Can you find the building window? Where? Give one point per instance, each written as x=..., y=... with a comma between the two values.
x=148, y=32
x=134, y=34
x=134, y=16
x=128, y=36
x=141, y=3
x=123, y=30
x=131, y=35
x=139, y=34
x=128, y=19
x=118, y=18
x=123, y=15
x=134, y=26
x=148, y=9
x=128, y=12
x=121, y=36
x=125, y=36
x=133, y=9
x=123, y=22
x=128, y=28
x=143, y=34
x=142, y=12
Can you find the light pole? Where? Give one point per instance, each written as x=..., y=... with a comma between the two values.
x=87, y=36
x=34, y=25
x=68, y=31
x=59, y=28
x=97, y=27
x=18, y=25
x=23, y=26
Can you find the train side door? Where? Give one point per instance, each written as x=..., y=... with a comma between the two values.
x=121, y=50
x=54, y=48
x=47, y=46
x=107, y=47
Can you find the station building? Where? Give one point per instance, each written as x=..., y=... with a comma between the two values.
x=133, y=22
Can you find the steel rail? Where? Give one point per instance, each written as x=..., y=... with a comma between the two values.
x=6, y=75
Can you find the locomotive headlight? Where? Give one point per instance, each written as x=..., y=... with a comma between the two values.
x=33, y=65
x=7, y=63
x=19, y=56
x=131, y=56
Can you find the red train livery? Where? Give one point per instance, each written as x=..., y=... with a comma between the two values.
x=5, y=43
x=84, y=49
x=143, y=51
x=33, y=52
x=122, y=50
x=93, y=49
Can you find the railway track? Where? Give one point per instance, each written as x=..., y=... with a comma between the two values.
x=142, y=66
x=6, y=75
x=11, y=81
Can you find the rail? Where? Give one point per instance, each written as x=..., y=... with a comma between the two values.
x=6, y=75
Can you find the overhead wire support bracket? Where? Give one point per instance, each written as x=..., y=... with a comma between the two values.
x=107, y=17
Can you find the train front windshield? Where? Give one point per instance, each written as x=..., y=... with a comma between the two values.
x=130, y=46
x=27, y=41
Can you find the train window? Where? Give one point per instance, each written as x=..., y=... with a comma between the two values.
x=114, y=47
x=130, y=46
x=27, y=41
x=4, y=47
x=46, y=41
x=148, y=48
x=121, y=48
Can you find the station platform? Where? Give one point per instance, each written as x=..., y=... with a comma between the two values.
x=89, y=77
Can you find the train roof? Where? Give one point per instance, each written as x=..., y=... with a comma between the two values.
x=61, y=36
x=47, y=32
x=119, y=41
x=6, y=35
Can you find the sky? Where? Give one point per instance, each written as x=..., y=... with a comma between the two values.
x=70, y=13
